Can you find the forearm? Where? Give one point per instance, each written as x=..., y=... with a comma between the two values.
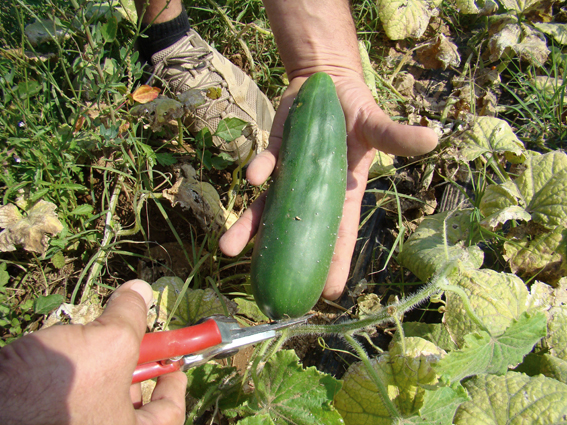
x=314, y=35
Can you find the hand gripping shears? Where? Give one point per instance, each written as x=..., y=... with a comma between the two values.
x=214, y=338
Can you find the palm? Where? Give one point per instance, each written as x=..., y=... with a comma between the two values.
x=368, y=127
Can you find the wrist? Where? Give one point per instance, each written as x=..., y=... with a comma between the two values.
x=314, y=36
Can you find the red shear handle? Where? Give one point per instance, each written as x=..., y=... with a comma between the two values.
x=154, y=369
x=169, y=344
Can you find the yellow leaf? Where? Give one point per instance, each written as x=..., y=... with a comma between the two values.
x=145, y=94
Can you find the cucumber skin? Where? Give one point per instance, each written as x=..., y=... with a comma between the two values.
x=298, y=230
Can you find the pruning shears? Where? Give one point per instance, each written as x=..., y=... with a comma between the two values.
x=216, y=337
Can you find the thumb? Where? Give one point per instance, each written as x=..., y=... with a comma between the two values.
x=391, y=137
x=128, y=307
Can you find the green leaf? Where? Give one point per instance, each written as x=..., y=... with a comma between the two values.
x=496, y=298
x=290, y=394
x=439, y=406
x=250, y=309
x=58, y=260
x=406, y=18
x=109, y=29
x=438, y=239
x=513, y=399
x=221, y=161
x=4, y=275
x=263, y=419
x=195, y=304
x=367, y=70
x=214, y=384
x=489, y=135
x=230, y=128
x=46, y=304
x=165, y=159
x=484, y=353
x=27, y=89
x=84, y=209
x=546, y=364
x=433, y=332
x=204, y=138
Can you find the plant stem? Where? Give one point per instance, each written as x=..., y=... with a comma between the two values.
x=382, y=389
x=466, y=303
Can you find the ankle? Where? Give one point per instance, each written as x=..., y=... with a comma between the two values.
x=162, y=35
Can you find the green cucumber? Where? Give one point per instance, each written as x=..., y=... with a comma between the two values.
x=297, y=234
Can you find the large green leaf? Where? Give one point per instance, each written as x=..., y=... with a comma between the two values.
x=438, y=239
x=433, y=332
x=496, y=298
x=439, y=406
x=287, y=393
x=513, y=399
x=484, y=353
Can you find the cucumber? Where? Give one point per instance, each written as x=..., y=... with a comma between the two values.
x=297, y=234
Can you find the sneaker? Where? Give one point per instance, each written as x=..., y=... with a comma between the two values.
x=191, y=64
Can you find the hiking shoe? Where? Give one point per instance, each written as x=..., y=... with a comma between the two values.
x=191, y=64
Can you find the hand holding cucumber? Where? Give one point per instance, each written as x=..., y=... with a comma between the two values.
x=313, y=37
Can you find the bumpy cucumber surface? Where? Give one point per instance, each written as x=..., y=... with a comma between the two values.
x=298, y=231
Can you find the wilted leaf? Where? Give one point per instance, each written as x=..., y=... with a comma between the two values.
x=525, y=43
x=513, y=399
x=543, y=255
x=553, y=302
x=556, y=30
x=441, y=53
x=501, y=216
x=406, y=18
x=489, y=135
x=195, y=304
x=192, y=99
x=541, y=190
x=519, y=5
x=202, y=198
x=484, y=353
x=496, y=298
x=382, y=165
x=403, y=374
x=44, y=30
x=367, y=70
x=29, y=230
x=159, y=111
x=290, y=394
x=482, y=7
x=145, y=94
x=438, y=239
x=75, y=314
x=214, y=93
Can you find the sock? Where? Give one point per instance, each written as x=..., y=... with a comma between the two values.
x=161, y=36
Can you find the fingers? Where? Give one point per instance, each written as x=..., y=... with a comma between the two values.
x=264, y=163
x=167, y=406
x=128, y=308
x=237, y=237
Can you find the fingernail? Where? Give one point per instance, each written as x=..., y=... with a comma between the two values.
x=145, y=290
